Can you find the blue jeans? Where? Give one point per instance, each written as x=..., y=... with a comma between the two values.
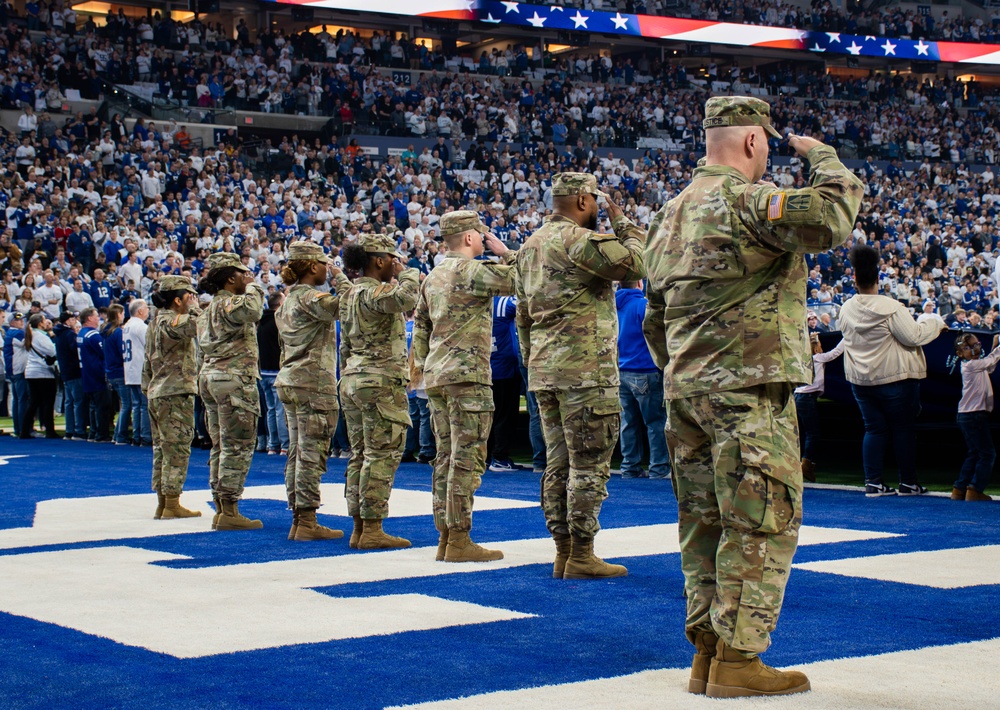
x=978, y=466
x=19, y=395
x=420, y=434
x=140, y=416
x=534, y=426
x=805, y=407
x=277, y=427
x=889, y=412
x=125, y=413
x=76, y=414
x=99, y=406
x=641, y=395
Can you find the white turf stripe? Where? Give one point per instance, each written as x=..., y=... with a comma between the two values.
x=68, y=520
x=119, y=592
x=944, y=569
x=952, y=677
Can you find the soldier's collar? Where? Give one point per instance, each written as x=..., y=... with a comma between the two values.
x=709, y=170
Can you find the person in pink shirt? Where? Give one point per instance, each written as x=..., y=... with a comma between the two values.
x=974, y=417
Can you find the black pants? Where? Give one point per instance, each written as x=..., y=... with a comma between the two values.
x=98, y=404
x=507, y=401
x=43, y=401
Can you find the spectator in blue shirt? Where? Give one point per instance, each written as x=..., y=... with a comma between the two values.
x=14, y=368
x=100, y=290
x=95, y=385
x=419, y=435
x=114, y=369
x=641, y=389
x=506, y=386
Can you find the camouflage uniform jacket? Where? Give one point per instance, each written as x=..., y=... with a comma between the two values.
x=227, y=333
x=452, y=326
x=373, y=326
x=169, y=368
x=308, y=336
x=727, y=279
x=567, y=324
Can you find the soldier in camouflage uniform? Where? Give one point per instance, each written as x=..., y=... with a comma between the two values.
x=227, y=344
x=169, y=381
x=307, y=382
x=567, y=326
x=374, y=370
x=727, y=319
x=451, y=349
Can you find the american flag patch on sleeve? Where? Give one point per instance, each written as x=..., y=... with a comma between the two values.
x=776, y=206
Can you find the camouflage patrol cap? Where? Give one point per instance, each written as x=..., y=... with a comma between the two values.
x=307, y=251
x=575, y=184
x=221, y=260
x=378, y=244
x=721, y=111
x=176, y=283
x=461, y=221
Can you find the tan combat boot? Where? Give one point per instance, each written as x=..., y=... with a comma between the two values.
x=563, y=545
x=972, y=494
x=584, y=564
x=218, y=512
x=308, y=529
x=356, y=534
x=373, y=538
x=808, y=470
x=230, y=519
x=461, y=548
x=705, y=643
x=732, y=675
x=442, y=546
x=172, y=508
x=958, y=494
x=295, y=517
x=159, y=506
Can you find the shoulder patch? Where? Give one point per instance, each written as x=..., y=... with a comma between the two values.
x=776, y=206
x=798, y=203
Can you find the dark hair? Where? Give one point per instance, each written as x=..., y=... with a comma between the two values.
x=34, y=322
x=274, y=300
x=292, y=271
x=114, y=319
x=864, y=259
x=356, y=258
x=165, y=299
x=215, y=280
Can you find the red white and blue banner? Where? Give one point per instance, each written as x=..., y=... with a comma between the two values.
x=556, y=17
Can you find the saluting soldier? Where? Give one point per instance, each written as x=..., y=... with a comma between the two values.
x=227, y=341
x=373, y=356
x=169, y=381
x=307, y=381
x=567, y=326
x=727, y=319
x=451, y=350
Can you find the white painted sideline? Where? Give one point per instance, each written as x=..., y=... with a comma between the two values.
x=952, y=677
x=943, y=569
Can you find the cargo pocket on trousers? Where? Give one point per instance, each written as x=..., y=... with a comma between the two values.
x=398, y=419
x=246, y=402
x=480, y=410
x=763, y=501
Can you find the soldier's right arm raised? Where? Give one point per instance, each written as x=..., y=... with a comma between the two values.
x=395, y=299
x=811, y=219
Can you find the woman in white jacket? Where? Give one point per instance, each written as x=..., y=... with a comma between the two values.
x=884, y=362
x=39, y=375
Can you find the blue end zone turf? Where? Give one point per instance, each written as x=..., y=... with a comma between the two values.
x=577, y=631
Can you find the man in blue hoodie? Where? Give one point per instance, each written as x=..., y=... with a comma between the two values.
x=96, y=395
x=641, y=389
x=506, y=386
x=72, y=377
x=15, y=370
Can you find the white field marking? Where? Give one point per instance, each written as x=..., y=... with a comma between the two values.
x=924, y=679
x=943, y=569
x=4, y=460
x=67, y=520
x=117, y=592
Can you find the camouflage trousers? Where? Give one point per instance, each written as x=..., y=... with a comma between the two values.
x=581, y=429
x=171, y=422
x=312, y=420
x=738, y=483
x=377, y=416
x=461, y=416
x=232, y=406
